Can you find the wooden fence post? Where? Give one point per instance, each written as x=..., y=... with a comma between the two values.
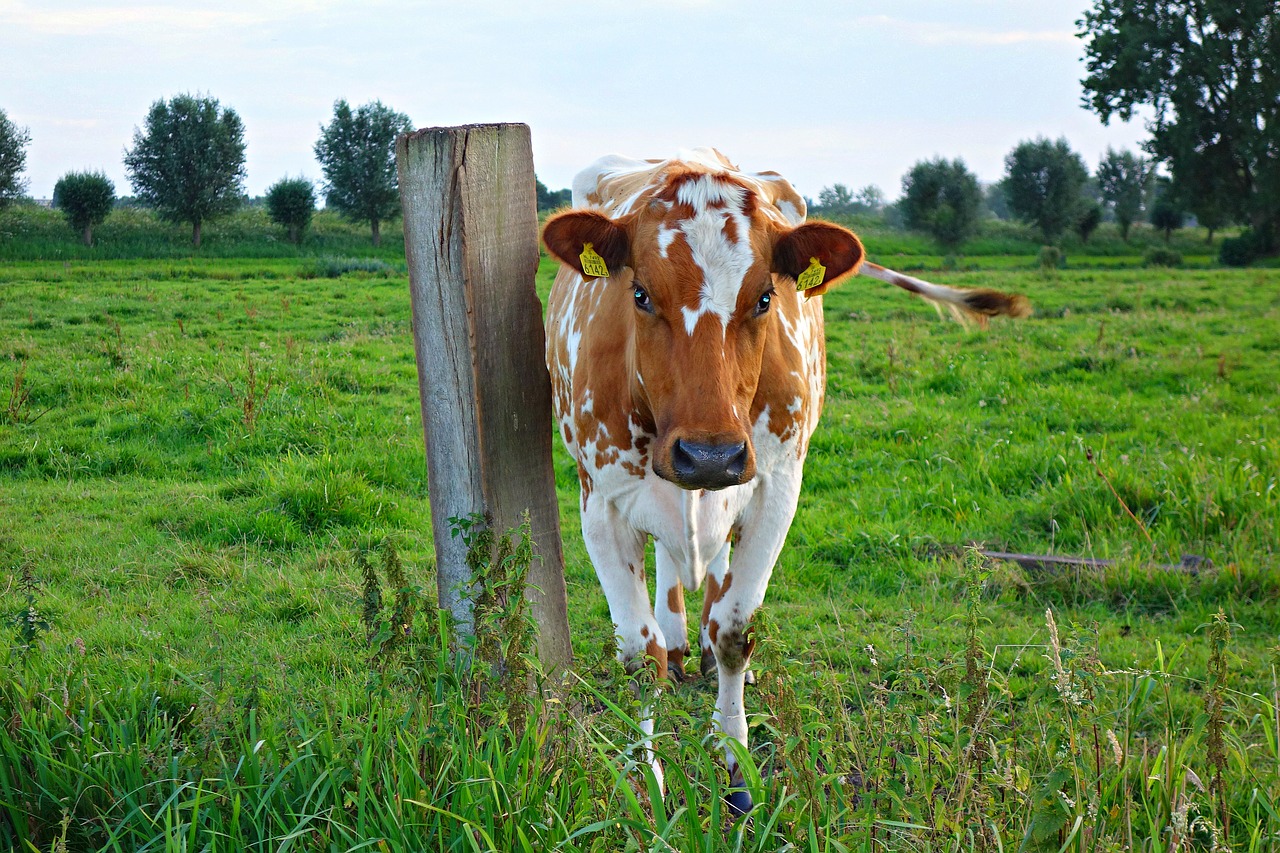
x=471, y=242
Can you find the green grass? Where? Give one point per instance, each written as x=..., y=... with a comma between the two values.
x=195, y=450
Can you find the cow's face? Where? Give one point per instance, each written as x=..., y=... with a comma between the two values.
x=707, y=272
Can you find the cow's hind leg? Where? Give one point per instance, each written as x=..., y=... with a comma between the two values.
x=617, y=552
x=668, y=607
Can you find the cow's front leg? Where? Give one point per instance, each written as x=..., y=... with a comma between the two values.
x=732, y=597
x=668, y=607
x=617, y=552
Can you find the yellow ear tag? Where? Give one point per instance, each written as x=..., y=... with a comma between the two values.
x=812, y=277
x=592, y=264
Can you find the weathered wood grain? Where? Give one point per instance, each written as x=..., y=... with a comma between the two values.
x=471, y=242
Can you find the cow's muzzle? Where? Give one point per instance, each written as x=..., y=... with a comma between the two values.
x=709, y=466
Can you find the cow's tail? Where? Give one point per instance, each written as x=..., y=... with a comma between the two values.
x=975, y=304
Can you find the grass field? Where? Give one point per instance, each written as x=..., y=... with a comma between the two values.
x=198, y=457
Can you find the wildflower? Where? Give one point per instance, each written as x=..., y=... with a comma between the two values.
x=1116, y=749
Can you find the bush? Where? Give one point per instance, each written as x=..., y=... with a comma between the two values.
x=1051, y=258
x=1239, y=251
x=1158, y=256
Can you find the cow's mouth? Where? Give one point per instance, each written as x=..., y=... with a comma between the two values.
x=704, y=465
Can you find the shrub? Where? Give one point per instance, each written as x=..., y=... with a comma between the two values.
x=85, y=199
x=337, y=267
x=1050, y=258
x=1158, y=256
x=1239, y=251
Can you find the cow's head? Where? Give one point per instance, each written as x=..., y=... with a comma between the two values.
x=711, y=273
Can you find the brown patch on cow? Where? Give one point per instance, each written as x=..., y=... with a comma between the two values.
x=713, y=632
x=644, y=629
x=568, y=434
x=675, y=599
x=658, y=653
x=631, y=567
x=730, y=229
x=635, y=470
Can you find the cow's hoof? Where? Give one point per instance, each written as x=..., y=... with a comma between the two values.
x=676, y=673
x=739, y=801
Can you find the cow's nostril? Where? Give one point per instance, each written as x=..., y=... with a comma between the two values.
x=682, y=461
x=708, y=466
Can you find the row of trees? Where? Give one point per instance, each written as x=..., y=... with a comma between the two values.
x=187, y=162
x=1046, y=184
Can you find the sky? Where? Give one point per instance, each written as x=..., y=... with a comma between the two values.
x=823, y=92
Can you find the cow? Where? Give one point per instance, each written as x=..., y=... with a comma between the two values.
x=688, y=373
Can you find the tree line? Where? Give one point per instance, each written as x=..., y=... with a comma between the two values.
x=187, y=162
x=1046, y=185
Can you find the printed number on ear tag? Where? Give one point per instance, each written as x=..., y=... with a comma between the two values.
x=812, y=277
x=592, y=263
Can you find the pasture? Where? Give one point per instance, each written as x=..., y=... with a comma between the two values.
x=200, y=458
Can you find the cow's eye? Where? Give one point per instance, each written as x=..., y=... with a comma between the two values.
x=643, y=302
x=762, y=307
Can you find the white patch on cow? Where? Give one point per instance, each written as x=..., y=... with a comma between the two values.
x=723, y=262
x=666, y=236
x=789, y=211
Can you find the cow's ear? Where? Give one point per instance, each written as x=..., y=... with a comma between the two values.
x=838, y=250
x=567, y=235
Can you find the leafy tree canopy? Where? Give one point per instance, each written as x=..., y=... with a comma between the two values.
x=1043, y=185
x=1210, y=72
x=188, y=160
x=357, y=153
x=85, y=199
x=290, y=203
x=1122, y=182
x=942, y=198
x=13, y=159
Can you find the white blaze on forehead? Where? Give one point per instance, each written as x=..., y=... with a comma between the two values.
x=723, y=262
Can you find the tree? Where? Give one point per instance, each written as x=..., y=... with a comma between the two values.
x=943, y=199
x=1209, y=71
x=1122, y=180
x=1043, y=184
x=358, y=157
x=1088, y=221
x=13, y=159
x=870, y=199
x=550, y=200
x=85, y=199
x=188, y=162
x=1166, y=213
x=290, y=203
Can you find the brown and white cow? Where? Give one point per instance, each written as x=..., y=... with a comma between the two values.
x=687, y=383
